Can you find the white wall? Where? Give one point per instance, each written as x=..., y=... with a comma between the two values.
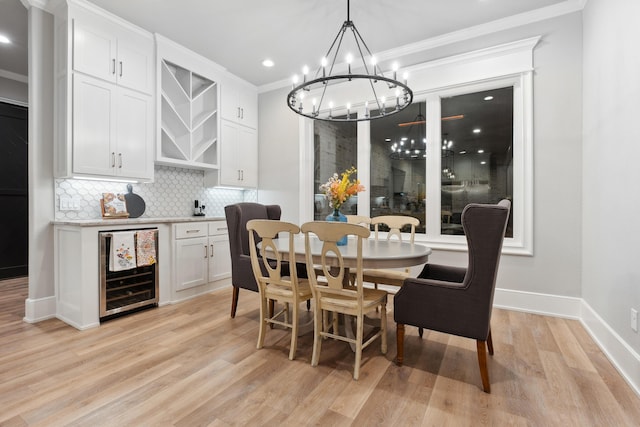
x=278, y=154
x=555, y=268
x=611, y=232
x=41, y=212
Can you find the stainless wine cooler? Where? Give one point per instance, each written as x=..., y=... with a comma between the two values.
x=124, y=289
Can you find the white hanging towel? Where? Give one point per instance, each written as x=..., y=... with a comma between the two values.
x=123, y=251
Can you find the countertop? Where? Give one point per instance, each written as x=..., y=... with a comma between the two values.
x=127, y=221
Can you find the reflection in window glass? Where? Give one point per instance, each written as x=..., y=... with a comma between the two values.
x=477, y=153
x=398, y=164
x=335, y=150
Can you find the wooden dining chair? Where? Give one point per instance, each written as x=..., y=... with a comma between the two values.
x=332, y=296
x=395, y=223
x=272, y=284
x=362, y=220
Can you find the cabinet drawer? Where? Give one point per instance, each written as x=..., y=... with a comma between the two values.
x=191, y=229
x=218, y=228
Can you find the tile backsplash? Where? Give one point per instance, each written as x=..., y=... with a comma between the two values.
x=170, y=195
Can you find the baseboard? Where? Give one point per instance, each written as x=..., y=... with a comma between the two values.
x=36, y=310
x=620, y=354
x=544, y=304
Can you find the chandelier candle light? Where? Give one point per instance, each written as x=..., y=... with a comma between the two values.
x=329, y=87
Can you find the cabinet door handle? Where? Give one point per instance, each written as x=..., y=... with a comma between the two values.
x=205, y=251
x=242, y=113
x=120, y=68
x=113, y=65
x=113, y=159
x=120, y=160
x=238, y=112
x=211, y=251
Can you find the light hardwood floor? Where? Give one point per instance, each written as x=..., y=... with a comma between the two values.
x=189, y=364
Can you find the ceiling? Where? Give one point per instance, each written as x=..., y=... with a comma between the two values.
x=240, y=34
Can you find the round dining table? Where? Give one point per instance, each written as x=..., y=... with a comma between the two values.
x=375, y=253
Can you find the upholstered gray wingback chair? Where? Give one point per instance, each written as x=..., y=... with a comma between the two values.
x=237, y=217
x=455, y=300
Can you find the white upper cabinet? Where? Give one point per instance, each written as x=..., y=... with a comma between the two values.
x=239, y=102
x=238, y=158
x=113, y=53
x=104, y=95
x=113, y=129
x=189, y=98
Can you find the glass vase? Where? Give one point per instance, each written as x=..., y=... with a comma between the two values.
x=337, y=216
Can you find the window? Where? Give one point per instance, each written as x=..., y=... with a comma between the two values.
x=334, y=151
x=397, y=184
x=476, y=164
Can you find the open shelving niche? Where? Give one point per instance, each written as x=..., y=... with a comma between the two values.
x=189, y=112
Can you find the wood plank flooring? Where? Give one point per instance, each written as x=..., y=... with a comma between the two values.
x=189, y=364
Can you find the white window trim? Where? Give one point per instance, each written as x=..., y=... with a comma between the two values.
x=521, y=242
x=499, y=66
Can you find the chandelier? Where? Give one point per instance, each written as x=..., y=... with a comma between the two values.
x=327, y=94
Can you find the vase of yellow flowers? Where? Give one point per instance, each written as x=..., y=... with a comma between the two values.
x=338, y=189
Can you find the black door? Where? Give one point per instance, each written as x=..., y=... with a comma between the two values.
x=14, y=205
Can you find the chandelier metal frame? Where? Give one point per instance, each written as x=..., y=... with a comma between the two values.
x=324, y=79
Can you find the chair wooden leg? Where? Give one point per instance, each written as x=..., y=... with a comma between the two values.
x=294, y=331
x=263, y=322
x=318, y=326
x=234, y=301
x=308, y=304
x=400, y=343
x=490, y=343
x=325, y=321
x=359, y=338
x=383, y=328
x=482, y=361
x=420, y=332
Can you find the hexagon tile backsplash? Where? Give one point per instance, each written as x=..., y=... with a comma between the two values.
x=170, y=195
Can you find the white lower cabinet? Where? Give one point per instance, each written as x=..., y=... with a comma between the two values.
x=219, y=255
x=201, y=254
x=191, y=262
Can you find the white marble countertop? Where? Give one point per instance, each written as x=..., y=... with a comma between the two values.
x=126, y=221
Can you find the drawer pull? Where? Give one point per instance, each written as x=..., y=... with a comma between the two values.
x=192, y=231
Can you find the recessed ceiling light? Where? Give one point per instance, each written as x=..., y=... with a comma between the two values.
x=488, y=98
x=463, y=152
x=483, y=163
x=480, y=151
x=268, y=63
x=4, y=39
x=477, y=130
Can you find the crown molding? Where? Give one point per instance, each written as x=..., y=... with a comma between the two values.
x=14, y=76
x=541, y=14
x=47, y=5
